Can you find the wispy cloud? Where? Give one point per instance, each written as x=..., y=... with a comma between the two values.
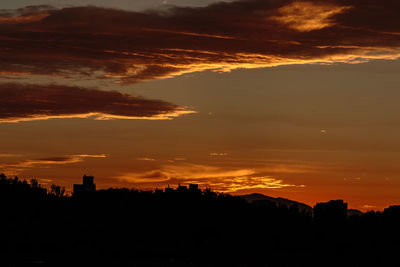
x=155, y=176
x=15, y=167
x=136, y=46
x=90, y=156
x=41, y=102
x=218, y=178
x=145, y=159
x=218, y=154
x=308, y=16
x=44, y=162
x=9, y=155
x=232, y=184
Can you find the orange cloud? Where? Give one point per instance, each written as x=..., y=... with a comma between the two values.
x=8, y=155
x=233, y=184
x=309, y=16
x=15, y=167
x=39, y=102
x=45, y=162
x=147, y=177
x=218, y=178
x=146, y=159
x=220, y=154
x=128, y=46
x=90, y=156
x=23, y=19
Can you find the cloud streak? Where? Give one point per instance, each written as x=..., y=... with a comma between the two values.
x=50, y=161
x=129, y=46
x=40, y=102
x=218, y=178
x=17, y=166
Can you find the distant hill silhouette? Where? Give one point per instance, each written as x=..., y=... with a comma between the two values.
x=351, y=212
x=278, y=201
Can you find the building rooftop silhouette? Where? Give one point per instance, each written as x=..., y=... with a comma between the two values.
x=192, y=188
x=87, y=185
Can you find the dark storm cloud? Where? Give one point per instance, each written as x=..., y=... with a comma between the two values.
x=38, y=102
x=133, y=46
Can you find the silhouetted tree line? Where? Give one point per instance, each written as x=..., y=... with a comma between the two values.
x=128, y=227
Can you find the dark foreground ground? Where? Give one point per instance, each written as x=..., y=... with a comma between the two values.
x=121, y=227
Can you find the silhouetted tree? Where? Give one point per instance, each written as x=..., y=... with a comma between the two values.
x=57, y=190
x=34, y=183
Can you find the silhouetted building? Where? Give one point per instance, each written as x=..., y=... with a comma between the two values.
x=334, y=211
x=169, y=189
x=182, y=188
x=87, y=185
x=194, y=188
x=158, y=191
x=393, y=212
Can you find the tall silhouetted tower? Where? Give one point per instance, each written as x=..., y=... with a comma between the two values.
x=87, y=185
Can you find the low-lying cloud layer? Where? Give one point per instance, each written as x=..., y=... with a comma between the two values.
x=218, y=178
x=135, y=46
x=39, y=102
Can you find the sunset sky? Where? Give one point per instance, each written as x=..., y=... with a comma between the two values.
x=293, y=99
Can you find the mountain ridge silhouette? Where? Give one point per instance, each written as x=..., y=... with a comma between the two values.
x=278, y=201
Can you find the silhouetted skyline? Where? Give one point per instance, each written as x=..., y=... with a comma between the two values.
x=185, y=226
